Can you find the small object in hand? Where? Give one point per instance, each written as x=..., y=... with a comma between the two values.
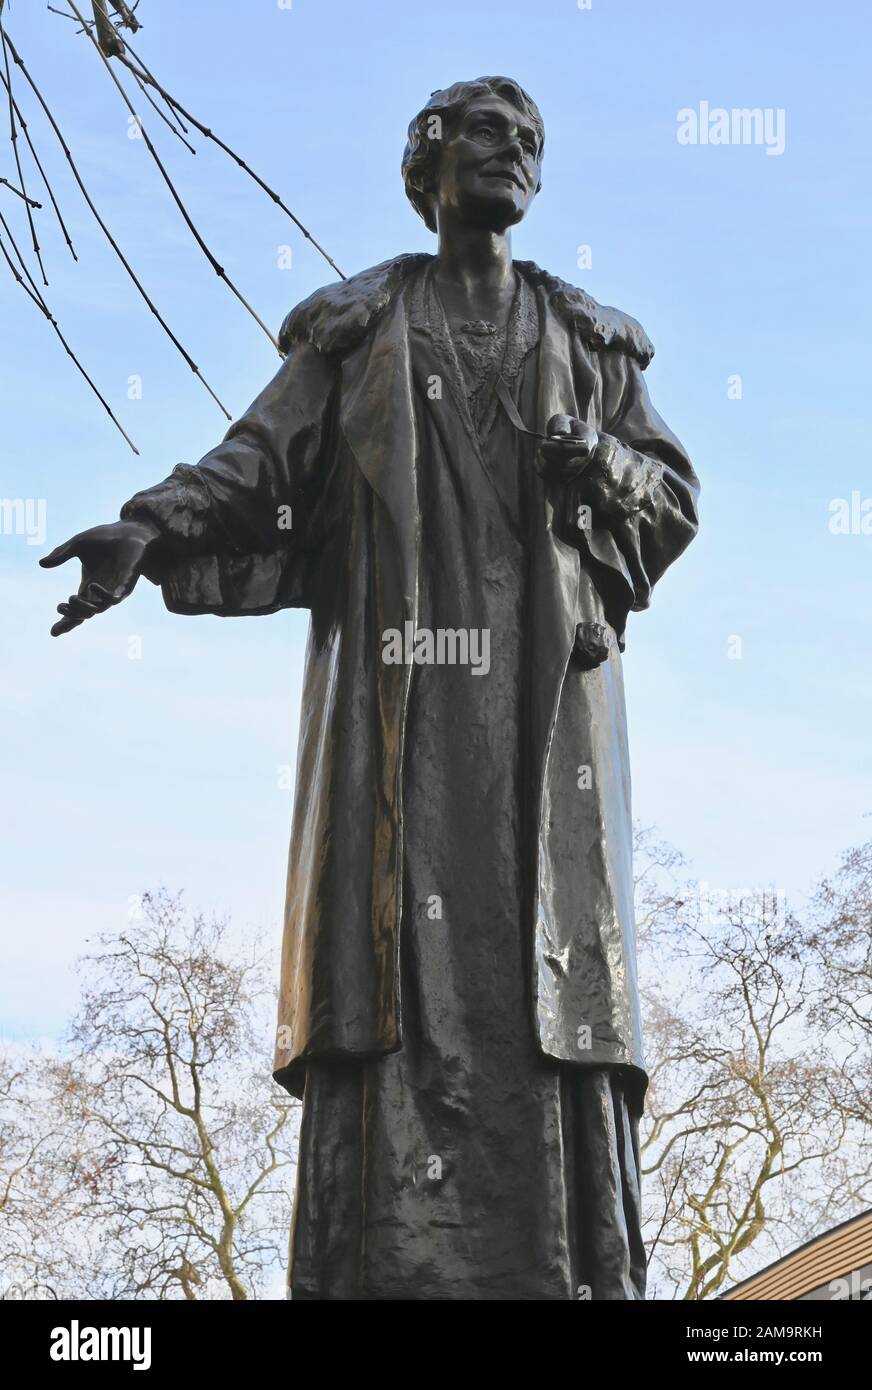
x=571, y=429
x=560, y=425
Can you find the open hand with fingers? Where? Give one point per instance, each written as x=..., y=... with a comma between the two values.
x=113, y=557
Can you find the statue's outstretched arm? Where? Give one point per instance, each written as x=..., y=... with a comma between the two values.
x=240, y=498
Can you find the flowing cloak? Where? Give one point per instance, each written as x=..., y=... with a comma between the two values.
x=313, y=500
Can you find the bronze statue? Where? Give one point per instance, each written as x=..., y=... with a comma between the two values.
x=458, y=470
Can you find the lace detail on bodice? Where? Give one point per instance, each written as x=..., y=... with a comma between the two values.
x=480, y=348
x=479, y=352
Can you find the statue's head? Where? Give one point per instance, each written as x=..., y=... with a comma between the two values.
x=476, y=148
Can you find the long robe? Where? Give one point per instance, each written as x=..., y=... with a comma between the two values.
x=467, y=1165
x=406, y=1041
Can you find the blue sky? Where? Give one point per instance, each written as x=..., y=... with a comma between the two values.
x=122, y=774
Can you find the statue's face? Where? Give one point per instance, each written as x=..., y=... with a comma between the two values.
x=490, y=165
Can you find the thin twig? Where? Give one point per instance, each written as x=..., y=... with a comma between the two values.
x=19, y=61
x=168, y=120
x=144, y=74
x=173, y=110
x=17, y=191
x=37, y=292
x=126, y=15
x=48, y=188
x=37, y=299
x=43, y=308
x=13, y=135
x=218, y=269
x=209, y=134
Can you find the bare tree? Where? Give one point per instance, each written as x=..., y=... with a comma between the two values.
x=153, y=1156
x=745, y=1143
x=24, y=1138
x=173, y=1149
x=837, y=937
x=38, y=1207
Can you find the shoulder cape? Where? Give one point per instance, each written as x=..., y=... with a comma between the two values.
x=336, y=318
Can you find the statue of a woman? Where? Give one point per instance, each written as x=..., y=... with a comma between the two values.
x=458, y=1000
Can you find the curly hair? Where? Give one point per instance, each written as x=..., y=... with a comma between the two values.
x=421, y=155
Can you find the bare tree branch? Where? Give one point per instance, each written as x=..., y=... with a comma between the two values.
x=13, y=135
x=44, y=309
x=17, y=191
x=147, y=76
x=107, y=36
x=106, y=232
x=175, y=127
x=218, y=269
x=30, y=145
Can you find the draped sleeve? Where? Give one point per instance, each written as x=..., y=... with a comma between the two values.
x=239, y=528
x=652, y=516
x=656, y=516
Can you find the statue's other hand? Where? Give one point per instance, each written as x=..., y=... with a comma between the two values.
x=621, y=481
x=570, y=446
x=112, y=559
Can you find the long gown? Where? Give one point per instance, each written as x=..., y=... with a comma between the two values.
x=468, y=1165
